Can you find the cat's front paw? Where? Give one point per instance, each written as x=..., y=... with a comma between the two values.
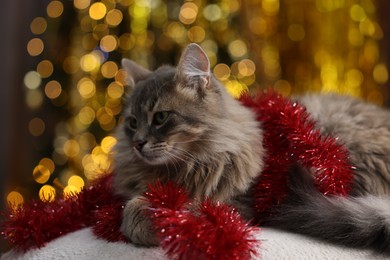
x=136, y=225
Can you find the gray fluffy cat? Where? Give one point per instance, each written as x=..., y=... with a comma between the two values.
x=180, y=124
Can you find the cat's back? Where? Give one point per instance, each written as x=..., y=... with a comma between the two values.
x=333, y=110
x=364, y=129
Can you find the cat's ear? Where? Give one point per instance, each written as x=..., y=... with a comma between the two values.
x=134, y=72
x=194, y=67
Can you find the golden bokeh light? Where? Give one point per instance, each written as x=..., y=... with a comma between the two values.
x=109, y=69
x=71, y=148
x=380, y=74
x=70, y=191
x=53, y=89
x=86, y=87
x=48, y=163
x=15, y=199
x=71, y=64
x=45, y=68
x=97, y=11
x=41, y=174
x=55, y=9
x=115, y=90
x=34, y=98
x=222, y=71
x=35, y=47
x=38, y=25
x=238, y=49
x=32, y=80
x=77, y=182
x=47, y=193
x=212, y=12
x=90, y=62
x=86, y=115
x=36, y=126
x=107, y=144
x=270, y=7
x=235, y=88
x=188, y=13
x=108, y=43
x=81, y=4
x=114, y=17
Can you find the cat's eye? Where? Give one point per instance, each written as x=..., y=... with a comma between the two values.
x=160, y=117
x=133, y=123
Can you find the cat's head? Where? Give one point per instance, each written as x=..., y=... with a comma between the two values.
x=171, y=111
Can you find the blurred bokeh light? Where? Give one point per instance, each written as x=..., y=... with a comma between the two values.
x=292, y=46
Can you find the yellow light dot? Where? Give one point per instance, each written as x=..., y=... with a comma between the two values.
x=90, y=62
x=237, y=48
x=270, y=7
x=35, y=47
x=15, y=199
x=54, y=9
x=367, y=27
x=357, y=13
x=87, y=141
x=71, y=148
x=212, y=12
x=380, y=74
x=355, y=38
x=222, y=71
x=71, y=64
x=283, y=87
x=34, y=98
x=109, y=43
x=107, y=144
x=38, y=25
x=48, y=163
x=196, y=34
x=354, y=78
x=115, y=90
x=258, y=25
x=32, y=80
x=86, y=115
x=109, y=69
x=81, y=4
x=45, y=68
x=246, y=68
x=296, y=32
x=70, y=191
x=97, y=11
x=86, y=87
x=235, y=88
x=121, y=76
x=53, y=89
x=47, y=193
x=41, y=174
x=188, y=13
x=114, y=17
x=126, y=41
x=36, y=126
x=76, y=181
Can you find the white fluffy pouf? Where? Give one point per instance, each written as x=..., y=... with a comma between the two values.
x=274, y=244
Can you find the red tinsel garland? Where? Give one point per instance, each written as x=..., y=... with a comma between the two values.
x=289, y=137
x=210, y=230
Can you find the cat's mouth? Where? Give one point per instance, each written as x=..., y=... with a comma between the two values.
x=154, y=154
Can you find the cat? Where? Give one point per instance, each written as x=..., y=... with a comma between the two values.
x=180, y=124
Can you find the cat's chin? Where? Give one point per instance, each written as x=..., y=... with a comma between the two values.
x=154, y=160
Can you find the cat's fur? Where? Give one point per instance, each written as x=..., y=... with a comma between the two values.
x=180, y=124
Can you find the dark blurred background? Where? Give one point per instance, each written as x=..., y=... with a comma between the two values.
x=62, y=87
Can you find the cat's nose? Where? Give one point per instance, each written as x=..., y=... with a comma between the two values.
x=139, y=144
